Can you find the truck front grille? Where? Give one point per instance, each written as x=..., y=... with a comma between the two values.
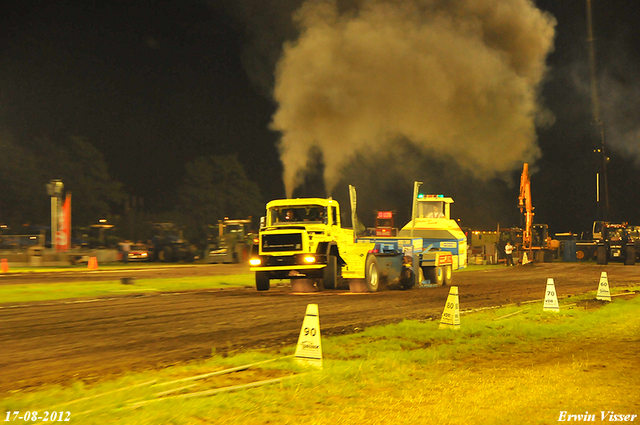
x=289, y=260
x=282, y=242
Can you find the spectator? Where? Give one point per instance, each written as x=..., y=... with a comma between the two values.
x=508, y=253
x=126, y=249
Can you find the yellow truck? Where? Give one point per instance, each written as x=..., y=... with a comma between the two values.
x=304, y=240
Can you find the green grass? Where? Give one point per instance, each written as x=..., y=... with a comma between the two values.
x=17, y=293
x=497, y=369
x=103, y=266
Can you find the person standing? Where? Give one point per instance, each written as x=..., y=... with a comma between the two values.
x=508, y=253
x=126, y=249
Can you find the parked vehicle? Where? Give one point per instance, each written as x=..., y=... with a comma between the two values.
x=169, y=245
x=139, y=252
x=233, y=242
x=535, y=237
x=614, y=243
x=634, y=236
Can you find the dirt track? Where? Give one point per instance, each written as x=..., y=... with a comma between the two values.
x=56, y=342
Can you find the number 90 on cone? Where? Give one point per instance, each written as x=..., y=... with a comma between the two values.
x=309, y=348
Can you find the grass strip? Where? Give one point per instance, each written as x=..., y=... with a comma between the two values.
x=103, y=266
x=22, y=293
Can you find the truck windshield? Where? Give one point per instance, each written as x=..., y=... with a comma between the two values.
x=234, y=229
x=431, y=209
x=298, y=214
x=616, y=233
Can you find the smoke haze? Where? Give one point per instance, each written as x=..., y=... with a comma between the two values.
x=457, y=78
x=620, y=88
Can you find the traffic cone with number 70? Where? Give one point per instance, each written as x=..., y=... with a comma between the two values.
x=551, y=298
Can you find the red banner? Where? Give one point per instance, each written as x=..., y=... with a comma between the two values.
x=63, y=238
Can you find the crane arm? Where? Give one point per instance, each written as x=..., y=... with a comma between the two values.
x=524, y=203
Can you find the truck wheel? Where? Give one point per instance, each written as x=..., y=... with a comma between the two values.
x=602, y=254
x=581, y=254
x=166, y=254
x=372, y=274
x=630, y=256
x=435, y=275
x=329, y=273
x=448, y=272
x=262, y=281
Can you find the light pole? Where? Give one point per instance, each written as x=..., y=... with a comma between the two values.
x=54, y=189
x=603, y=209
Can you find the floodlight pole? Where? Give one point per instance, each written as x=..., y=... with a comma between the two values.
x=54, y=189
x=603, y=210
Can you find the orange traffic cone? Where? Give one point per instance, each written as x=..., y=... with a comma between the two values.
x=93, y=263
x=5, y=265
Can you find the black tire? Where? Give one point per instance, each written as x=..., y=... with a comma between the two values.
x=168, y=254
x=262, y=281
x=602, y=255
x=435, y=275
x=372, y=274
x=191, y=257
x=538, y=256
x=448, y=274
x=582, y=254
x=330, y=273
x=630, y=256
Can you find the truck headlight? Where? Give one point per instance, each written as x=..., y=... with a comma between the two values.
x=255, y=261
x=309, y=259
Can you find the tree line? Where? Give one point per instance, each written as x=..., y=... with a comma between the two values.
x=213, y=187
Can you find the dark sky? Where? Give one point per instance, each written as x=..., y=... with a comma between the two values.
x=154, y=84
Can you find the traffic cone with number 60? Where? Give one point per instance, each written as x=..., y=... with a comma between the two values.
x=603, y=288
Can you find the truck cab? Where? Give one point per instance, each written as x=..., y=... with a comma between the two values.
x=304, y=239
